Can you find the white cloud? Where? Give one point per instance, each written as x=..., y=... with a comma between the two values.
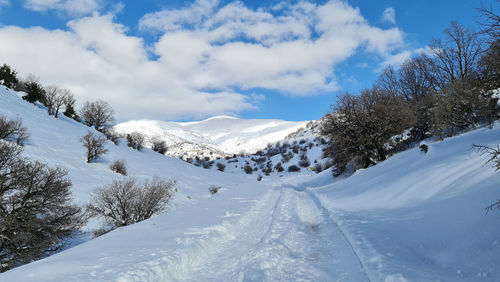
x=389, y=15
x=397, y=59
x=95, y=59
x=70, y=7
x=4, y=3
x=205, y=54
x=291, y=48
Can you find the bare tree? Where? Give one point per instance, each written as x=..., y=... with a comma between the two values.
x=388, y=80
x=491, y=59
x=126, y=201
x=492, y=24
x=360, y=126
x=36, y=215
x=94, y=144
x=13, y=130
x=457, y=56
x=51, y=94
x=98, y=114
x=64, y=98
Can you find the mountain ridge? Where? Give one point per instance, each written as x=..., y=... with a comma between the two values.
x=215, y=137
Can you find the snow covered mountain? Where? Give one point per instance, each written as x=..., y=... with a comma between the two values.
x=299, y=152
x=414, y=217
x=218, y=136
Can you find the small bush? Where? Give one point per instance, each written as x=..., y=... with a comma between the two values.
x=259, y=160
x=259, y=178
x=119, y=166
x=318, y=168
x=273, y=151
x=424, y=148
x=286, y=157
x=248, y=169
x=220, y=166
x=94, y=145
x=13, y=130
x=207, y=164
x=279, y=167
x=34, y=91
x=304, y=162
x=112, y=136
x=214, y=189
x=267, y=171
x=293, y=168
x=8, y=76
x=126, y=201
x=159, y=146
x=135, y=140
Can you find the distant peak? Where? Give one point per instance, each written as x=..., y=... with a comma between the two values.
x=221, y=117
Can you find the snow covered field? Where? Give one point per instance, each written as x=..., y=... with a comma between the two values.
x=414, y=217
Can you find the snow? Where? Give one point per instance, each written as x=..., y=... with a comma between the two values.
x=221, y=135
x=414, y=217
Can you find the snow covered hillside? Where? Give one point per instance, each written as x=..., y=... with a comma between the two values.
x=56, y=142
x=414, y=217
x=214, y=137
x=301, y=152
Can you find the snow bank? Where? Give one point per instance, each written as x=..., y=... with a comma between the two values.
x=421, y=216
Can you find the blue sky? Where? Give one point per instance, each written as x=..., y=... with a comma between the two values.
x=187, y=60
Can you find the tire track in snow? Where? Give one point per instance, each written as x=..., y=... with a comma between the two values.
x=327, y=215
x=201, y=260
x=287, y=235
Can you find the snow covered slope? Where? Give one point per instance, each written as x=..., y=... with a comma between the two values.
x=56, y=142
x=301, y=152
x=422, y=216
x=413, y=217
x=214, y=137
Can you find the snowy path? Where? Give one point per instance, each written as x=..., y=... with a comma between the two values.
x=285, y=236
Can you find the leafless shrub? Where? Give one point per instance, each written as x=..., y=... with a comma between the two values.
x=13, y=130
x=113, y=136
x=94, y=144
x=214, y=189
x=248, y=169
x=119, y=166
x=220, y=166
x=126, y=201
x=158, y=145
x=135, y=140
x=318, y=168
